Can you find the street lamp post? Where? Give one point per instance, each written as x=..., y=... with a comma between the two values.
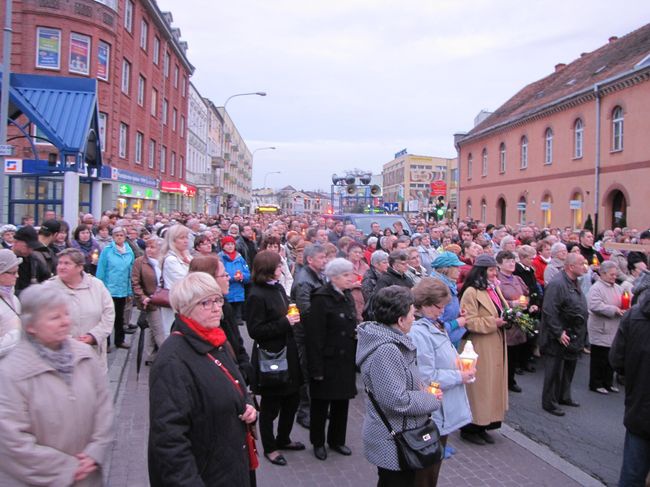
x=267, y=175
x=223, y=137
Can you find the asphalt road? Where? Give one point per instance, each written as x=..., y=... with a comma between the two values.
x=590, y=437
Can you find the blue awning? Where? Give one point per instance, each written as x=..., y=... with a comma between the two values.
x=63, y=108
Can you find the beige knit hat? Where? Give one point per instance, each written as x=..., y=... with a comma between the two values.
x=8, y=260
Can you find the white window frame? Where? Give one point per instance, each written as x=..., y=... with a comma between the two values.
x=123, y=141
x=107, y=46
x=617, y=129
x=172, y=164
x=166, y=63
x=152, y=154
x=183, y=86
x=174, y=117
x=129, y=6
x=126, y=76
x=56, y=33
x=578, y=138
x=470, y=165
x=139, y=141
x=548, y=146
x=502, y=158
x=181, y=161
x=484, y=162
x=182, y=129
x=484, y=211
x=176, y=73
x=154, y=102
x=156, y=50
x=102, y=122
x=163, y=158
x=523, y=162
x=142, y=87
x=165, y=109
x=144, y=34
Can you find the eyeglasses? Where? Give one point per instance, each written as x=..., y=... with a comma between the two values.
x=222, y=276
x=209, y=304
x=11, y=273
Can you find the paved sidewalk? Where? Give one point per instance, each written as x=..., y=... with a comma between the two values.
x=513, y=461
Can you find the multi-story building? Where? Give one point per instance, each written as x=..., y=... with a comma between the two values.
x=238, y=169
x=142, y=73
x=217, y=164
x=300, y=202
x=567, y=146
x=199, y=169
x=408, y=180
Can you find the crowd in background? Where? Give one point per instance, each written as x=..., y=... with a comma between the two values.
x=392, y=299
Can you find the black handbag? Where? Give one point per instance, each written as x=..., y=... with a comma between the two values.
x=417, y=448
x=273, y=367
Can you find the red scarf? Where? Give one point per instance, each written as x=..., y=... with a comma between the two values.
x=231, y=255
x=215, y=336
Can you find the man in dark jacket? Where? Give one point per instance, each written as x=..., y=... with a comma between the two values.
x=33, y=268
x=564, y=331
x=396, y=273
x=246, y=245
x=46, y=234
x=309, y=278
x=630, y=355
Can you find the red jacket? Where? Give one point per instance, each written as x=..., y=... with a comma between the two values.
x=539, y=265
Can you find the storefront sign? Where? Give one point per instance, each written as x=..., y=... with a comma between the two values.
x=129, y=177
x=177, y=187
x=13, y=166
x=79, y=54
x=138, y=192
x=48, y=48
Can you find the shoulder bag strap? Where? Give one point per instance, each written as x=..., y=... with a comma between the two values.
x=9, y=306
x=380, y=412
x=162, y=268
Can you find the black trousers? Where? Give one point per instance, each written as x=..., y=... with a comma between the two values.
x=118, y=323
x=270, y=408
x=601, y=373
x=338, y=424
x=395, y=478
x=303, y=406
x=515, y=354
x=558, y=375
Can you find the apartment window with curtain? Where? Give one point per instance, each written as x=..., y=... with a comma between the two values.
x=156, y=50
x=165, y=107
x=144, y=34
x=126, y=76
x=123, y=141
x=470, y=165
x=139, y=140
x=129, y=6
x=578, y=138
x=484, y=165
x=617, y=129
x=172, y=164
x=163, y=158
x=152, y=154
x=502, y=158
x=141, y=90
x=154, y=102
x=548, y=146
x=523, y=163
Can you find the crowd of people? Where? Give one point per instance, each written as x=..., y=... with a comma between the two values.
x=323, y=303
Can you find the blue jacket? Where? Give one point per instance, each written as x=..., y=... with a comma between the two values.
x=452, y=311
x=114, y=270
x=436, y=358
x=236, y=292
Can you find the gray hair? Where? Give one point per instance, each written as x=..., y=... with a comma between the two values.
x=526, y=251
x=507, y=240
x=338, y=266
x=312, y=250
x=396, y=255
x=607, y=266
x=377, y=257
x=194, y=287
x=75, y=255
x=557, y=247
x=118, y=229
x=38, y=298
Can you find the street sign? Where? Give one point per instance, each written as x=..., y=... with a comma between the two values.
x=521, y=206
x=438, y=188
x=6, y=150
x=575, y=204
x=390, y=207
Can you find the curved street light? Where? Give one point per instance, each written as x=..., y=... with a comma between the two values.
x=267, y=175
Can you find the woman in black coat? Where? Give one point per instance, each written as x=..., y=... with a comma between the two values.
x=330, y=331
x=199, y=408
x=271, y=327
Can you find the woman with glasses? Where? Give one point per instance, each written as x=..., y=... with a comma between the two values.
x=200, y=410
x=437, y=361
x=9, y=305
x=271, y=326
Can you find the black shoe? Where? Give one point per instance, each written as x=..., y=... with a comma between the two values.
x=304, y=422
x=514, y=388
x=485, y=436
x=519, y=371
x=554, y=411
x=130, y=331
x=571, y=403
x=278, y=460
x=123, y=345
x=293, y=446
x=320, y=452
x=342, y=449
x=472, y=438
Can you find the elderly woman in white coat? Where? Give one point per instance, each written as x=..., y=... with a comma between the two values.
x=437, y=361
x=94, y=311
x=175, y=264
x=56, y=413
x=9, y=304
x=604, y=303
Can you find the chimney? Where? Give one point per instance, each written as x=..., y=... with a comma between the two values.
x=583, y=54
x=613, y=39
x=559, y=67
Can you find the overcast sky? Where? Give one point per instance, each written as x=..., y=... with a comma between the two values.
x=352, y=82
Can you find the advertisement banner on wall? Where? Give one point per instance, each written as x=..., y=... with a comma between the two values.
x=79, y=54
x=103, y=60
x=48, y=48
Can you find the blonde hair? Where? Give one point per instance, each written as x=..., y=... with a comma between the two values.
x=194, y=287
x=169, y=244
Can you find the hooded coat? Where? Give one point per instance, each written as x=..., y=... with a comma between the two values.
x=45, y=422
x=387, y=359
x=114, y=270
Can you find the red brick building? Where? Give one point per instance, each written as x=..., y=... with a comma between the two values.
x=142, y=73
x=572, y=144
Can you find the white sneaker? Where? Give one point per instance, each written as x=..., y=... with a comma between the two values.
x=602, y=390
x=614, y=389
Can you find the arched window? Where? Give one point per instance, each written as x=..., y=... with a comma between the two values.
x=469, y=166
x=523, y=164
x=548, y=146
x=617, y=129
x=483, y=211
x=578, y=138
x=469, y=208
x=502, y=158
x=484, y=168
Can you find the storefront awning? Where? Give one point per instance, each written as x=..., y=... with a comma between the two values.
x=63, y=108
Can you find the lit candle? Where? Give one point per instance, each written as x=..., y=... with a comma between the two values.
x=625, y=300
x=594, y=260
x=293, y=310
x=434, y=388
x=523, y=301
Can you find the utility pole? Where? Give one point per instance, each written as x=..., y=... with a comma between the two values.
x=4, y=101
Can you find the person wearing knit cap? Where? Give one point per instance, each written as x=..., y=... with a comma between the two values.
x=9, y=304
x=446, y=268
x=240, y=274
x=483, y=304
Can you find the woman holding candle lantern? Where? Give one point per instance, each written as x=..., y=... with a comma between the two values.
x=483, y=304
x=606, y=306
x=438, y=361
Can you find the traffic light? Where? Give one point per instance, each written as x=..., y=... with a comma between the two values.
x=441, y=208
